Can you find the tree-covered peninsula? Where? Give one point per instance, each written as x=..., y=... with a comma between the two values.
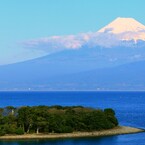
x=55, y=119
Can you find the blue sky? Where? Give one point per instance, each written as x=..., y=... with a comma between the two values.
x=31, y=19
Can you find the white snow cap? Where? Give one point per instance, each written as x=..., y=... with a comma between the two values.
x=121, y=25
x=126, y=28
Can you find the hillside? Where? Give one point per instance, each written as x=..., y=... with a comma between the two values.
x=125, y=77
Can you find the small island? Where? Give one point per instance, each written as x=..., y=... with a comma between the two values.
x=40, y=122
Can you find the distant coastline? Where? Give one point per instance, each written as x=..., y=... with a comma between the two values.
x=115, y=131
x=11, y=90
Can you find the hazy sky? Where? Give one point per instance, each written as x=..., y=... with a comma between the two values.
x=23, y=20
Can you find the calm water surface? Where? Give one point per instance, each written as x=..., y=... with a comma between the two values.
x=129, y=107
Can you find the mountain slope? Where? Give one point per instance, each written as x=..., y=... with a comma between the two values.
x=125, y=77
x=71, y=61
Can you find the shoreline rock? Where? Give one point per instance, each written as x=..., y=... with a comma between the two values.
x=115, y=131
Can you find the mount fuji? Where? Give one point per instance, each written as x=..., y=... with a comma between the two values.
x=122, y=31
x=125, y=29
x=112, y=58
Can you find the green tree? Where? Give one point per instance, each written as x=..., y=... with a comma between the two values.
x=40, y=115
x=25, y=118
x=110, y=113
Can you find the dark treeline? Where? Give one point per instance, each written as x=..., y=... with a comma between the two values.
x=54, y=119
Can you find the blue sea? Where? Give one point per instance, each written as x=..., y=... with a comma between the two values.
x=129, y=108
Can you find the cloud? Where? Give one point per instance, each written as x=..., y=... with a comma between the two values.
x=142, y=31
x=59, y=43
x=91, y=39
x=104, y=40
x=132, y=36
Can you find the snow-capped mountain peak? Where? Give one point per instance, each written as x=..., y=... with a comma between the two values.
x=122, y=31
x=126, y=29
x=121, y=25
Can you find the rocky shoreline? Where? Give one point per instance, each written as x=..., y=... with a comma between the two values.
x=115, y=131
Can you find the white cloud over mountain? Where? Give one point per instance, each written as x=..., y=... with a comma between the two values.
x=57, y=43
x=121, y=29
